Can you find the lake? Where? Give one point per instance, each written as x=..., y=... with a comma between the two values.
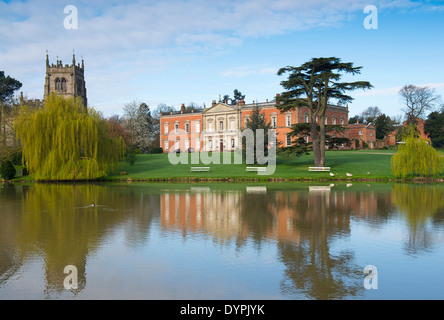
x=222, y=241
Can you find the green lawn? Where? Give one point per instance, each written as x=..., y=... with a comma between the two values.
x=362, y=164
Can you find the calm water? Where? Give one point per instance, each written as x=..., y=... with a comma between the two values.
x=221, y=241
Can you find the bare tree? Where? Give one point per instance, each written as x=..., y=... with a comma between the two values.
x=418, y=100
x=370, y=114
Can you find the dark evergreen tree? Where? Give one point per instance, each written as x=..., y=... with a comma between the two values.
x=312, y=85
x=434, y=127
x=256, y=121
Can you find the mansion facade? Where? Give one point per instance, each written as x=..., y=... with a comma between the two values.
x=219, y=127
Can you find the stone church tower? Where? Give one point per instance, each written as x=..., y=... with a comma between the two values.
x=65, y=80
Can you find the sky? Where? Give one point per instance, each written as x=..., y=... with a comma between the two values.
x=183, y=51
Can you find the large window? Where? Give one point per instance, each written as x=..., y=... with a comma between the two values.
x=221, y=125
x=210, y=126
x=198, y=126
x=63, y=84
x=273, y=122
x=176, y=128
x=306, y=118
x=57, y=84
x=232, y=125
x=187, y=127
x=288, y=120
x=166, y=128
x=288, y=140
x=166, y=145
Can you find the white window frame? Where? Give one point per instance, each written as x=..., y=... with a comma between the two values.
x=273, y=122
x=288, y=120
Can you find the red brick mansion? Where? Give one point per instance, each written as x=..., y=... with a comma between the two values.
x=219, y=127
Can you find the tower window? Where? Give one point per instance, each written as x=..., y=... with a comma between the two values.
x=57, y=84
x=63, y=84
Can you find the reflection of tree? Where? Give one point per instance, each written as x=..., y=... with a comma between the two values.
x=56, y=222
x=311, y=269
x=418, y=204
x=256, y=215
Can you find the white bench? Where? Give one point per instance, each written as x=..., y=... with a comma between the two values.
x=256, y=169
x=207, y=169
x=322, y=169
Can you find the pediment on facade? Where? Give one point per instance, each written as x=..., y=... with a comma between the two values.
x=220, y=107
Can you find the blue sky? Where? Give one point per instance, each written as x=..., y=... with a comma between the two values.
x=182, y=51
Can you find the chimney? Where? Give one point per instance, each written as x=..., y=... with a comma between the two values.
x=241, y=102
x=182, y=108
x=214, y=103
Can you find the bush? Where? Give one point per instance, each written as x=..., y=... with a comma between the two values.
x=156, y=150
x=131, y=158
x=7, y=170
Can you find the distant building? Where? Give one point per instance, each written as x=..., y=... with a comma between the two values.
x=361, y=133
x=420, y=126
x=65, y=80
x=219, y=127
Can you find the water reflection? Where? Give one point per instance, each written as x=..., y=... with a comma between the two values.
x=419, y=205
x=55, y=223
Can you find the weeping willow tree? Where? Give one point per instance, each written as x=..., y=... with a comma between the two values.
x=65, y=141
x=416, y=157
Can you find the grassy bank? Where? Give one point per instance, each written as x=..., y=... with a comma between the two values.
x=364, y=165
x=361, y=164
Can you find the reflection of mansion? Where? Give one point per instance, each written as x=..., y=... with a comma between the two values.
x=219, y=127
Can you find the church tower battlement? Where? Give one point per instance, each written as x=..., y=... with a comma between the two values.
x=65, y=80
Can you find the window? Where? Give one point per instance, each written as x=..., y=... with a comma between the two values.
x=288, y=121
x=165, y=145
x=187, y=127
x=273, y=122
x=288, y=140
x=210, y=144
x=187, y=144
x=165, y=128
x=176, y=128
x=57, y=84
x=197, y=147
x=232, y=124
x=63, y=84
x=306, y=139
x=342, y=121
x=210, y=126
x=232, y=143
x=334, y=120
x=360, y=132
x=198, y=126
x=306, y=118
x=325, y=120
x=221, y=125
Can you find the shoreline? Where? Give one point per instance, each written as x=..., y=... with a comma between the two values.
x=235, y=180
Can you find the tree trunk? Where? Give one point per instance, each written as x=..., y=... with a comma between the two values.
x=322, y=139
x=316, y=142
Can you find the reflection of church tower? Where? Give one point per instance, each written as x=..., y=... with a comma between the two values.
x=65, y=80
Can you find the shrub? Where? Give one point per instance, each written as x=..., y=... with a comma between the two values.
x=7, y=170
x=131, y=158
x=156, y=150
